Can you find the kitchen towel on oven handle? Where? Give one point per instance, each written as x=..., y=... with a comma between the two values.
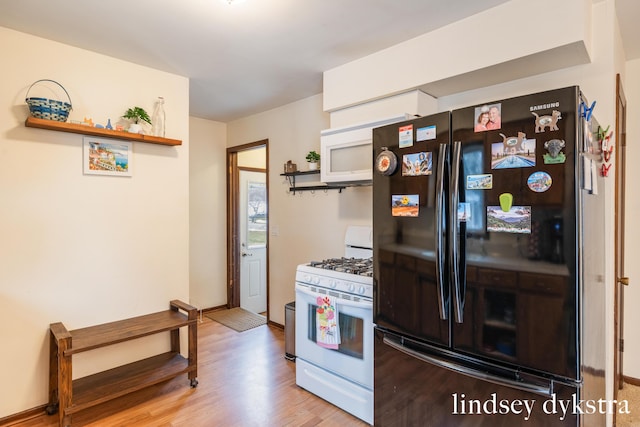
x=327, y=328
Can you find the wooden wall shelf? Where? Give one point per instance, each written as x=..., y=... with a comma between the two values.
x=33, y=122
x=291, y=178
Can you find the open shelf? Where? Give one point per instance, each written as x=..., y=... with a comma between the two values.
x=291, y=177
x=117, y=382
x=33, y=122
x=296, y=173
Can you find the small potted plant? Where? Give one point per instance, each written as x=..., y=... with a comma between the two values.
x=313, y=158
x=136, y=114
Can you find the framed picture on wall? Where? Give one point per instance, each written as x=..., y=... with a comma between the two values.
x=107, y=157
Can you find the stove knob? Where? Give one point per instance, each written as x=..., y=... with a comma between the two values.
x=316, y=280
x=333, y=284
x=307, y=278
x=361, y=290
x=352, y=288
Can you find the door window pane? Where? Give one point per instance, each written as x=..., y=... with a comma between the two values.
x=256, y=214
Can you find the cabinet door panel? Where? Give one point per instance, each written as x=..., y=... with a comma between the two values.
x=543, y=332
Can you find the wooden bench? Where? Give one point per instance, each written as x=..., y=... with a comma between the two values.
x=67, y=396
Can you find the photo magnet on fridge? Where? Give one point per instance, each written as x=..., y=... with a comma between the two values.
x=513, y=152
x=464, y=211
x=426, y=133
x=416, y=164
x=516, y=220
x=405, y=136
x=405, y=205
x=480, y=182
x=487, y=117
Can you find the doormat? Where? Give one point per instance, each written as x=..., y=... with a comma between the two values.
x=237, y=319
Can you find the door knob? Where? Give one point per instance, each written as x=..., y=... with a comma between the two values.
x=623, y=281
x=246, y=254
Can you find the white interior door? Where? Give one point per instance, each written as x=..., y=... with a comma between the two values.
x=253, y=238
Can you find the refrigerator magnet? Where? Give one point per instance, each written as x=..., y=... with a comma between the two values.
x=506, y=200
x=554, y=152
x=416, y=164
x=516, y=220
x=487, y=117
x=386, y=162
x=480, y=182
x=464, y=211
x=405, y=205
x=586, y=111
x=539, y=182
x=405, y=136
x=513, y=152
x=547, y=121
x=426, y=133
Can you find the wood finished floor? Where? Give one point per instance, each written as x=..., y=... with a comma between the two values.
x=244, y=380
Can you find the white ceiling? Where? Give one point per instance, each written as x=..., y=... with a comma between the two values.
x=250, y=57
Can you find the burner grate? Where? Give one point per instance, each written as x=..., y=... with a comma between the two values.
x=358, y=266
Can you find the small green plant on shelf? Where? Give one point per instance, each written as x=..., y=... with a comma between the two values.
x=313, y=157
x=136, y=114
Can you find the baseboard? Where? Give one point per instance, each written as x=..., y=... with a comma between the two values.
x=220, y=307
x=631, y=380
x=275, y=325
x=23, y=416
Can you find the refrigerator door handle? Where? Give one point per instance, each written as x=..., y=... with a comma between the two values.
x=545, y=390
x=440, y=233
x=454, y=243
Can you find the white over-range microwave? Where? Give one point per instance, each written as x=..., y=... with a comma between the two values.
x=346, y=153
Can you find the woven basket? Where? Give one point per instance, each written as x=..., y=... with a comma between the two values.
x=49, y=109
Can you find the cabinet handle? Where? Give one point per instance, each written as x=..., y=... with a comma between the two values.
x=623, y=281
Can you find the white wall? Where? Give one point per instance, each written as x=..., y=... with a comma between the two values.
x=207, y=213
x=631, y=364
x=84, y=249
x=515, y=39
x=253, y=158
x=305, y=226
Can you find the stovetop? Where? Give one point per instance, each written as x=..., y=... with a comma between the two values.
x=358, y=266
x=353, y=276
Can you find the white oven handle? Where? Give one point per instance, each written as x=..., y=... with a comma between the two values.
x=366, y=305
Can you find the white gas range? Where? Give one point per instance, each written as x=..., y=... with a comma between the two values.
x=334, y=326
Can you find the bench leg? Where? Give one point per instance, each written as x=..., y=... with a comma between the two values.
x=193, y=347
x=65, y=390
x=52, y=407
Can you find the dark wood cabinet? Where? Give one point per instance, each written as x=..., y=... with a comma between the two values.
x=521, y=317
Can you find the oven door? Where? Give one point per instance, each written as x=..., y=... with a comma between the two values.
x=353, y=359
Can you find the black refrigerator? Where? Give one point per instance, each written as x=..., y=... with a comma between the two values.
x=488, y=229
